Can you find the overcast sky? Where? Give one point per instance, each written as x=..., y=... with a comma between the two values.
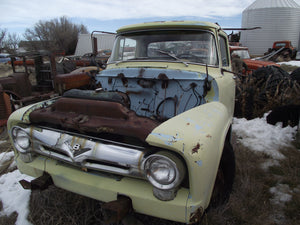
x=109, y=15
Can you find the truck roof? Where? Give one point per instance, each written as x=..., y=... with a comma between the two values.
x=168, y=24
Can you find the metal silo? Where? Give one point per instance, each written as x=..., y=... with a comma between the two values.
x=279, y=20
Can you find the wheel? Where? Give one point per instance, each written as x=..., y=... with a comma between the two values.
x=225, y=177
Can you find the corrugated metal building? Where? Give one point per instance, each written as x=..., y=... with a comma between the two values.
x=84, y=44
x=279, y=20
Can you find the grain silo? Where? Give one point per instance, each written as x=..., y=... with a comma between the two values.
x=279, y=20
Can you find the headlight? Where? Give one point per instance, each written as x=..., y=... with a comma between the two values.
x=164, y=170
x=21, y=139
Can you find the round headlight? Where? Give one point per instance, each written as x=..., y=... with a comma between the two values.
x=164, y=172
x=21, y=138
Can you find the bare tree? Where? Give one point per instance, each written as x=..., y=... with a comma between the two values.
x=11, y=43
x=56, y=34
x=2, y=37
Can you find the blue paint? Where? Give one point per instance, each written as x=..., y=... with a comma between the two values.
x=199, y=162
x=198, y=127
x=168, y=139
x=152, y=73
x=157, y=92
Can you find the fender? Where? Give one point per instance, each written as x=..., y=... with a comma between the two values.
x=198, y=135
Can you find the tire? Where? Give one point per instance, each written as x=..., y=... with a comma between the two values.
x=268, y=78
x=225, y=177
x=295, y=75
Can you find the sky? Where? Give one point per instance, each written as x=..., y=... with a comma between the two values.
x=17, y=15
x=255, y=134
x=109, y=15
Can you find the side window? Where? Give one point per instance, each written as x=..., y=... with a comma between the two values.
x=127, y=49
x=224, y=53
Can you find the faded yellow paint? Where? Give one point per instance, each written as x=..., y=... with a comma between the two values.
x=106, y=188
x=206, y=125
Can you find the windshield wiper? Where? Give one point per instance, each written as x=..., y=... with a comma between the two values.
x=172, y=56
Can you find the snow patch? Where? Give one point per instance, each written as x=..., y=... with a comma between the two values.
x=268, y=163
x=13, y=197
x=6, y=156
x=290, y=63
x=258, y=135
x=282, y=194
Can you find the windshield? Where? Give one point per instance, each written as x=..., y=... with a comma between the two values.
x=180, y=46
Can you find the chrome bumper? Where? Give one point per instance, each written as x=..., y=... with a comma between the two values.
x=86, y=152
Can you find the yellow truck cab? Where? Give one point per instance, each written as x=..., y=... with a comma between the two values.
x=155, y=132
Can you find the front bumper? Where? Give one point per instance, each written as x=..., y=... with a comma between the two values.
x=107, y=188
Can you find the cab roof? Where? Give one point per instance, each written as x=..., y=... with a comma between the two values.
x=168, y=25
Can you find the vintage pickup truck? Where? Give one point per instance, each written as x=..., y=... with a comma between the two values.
x=154, y=137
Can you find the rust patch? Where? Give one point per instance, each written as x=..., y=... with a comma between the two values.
x=208, y=136
x=163, y=76
x=165, y=80
x=188, y=124
x=141, y=72
x=196, y=148
x=95, y=116
x=123, y=79
x=115, y=211
x=196, y=216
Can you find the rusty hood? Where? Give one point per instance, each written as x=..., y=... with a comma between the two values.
x=92, y=113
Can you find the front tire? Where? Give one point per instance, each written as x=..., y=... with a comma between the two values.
x=225, y=177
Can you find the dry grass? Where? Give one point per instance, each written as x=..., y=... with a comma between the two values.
x=5, y=69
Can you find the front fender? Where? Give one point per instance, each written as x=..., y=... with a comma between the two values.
x=22, y=115
x=198, y=135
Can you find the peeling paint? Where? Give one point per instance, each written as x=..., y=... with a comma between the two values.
x=105, y=129
x=209, y=136
x=168, y=139
x=25, y=117
x=192, y=122
x=199, y=162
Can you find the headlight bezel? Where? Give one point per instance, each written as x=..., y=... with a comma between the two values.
x=177, y=170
